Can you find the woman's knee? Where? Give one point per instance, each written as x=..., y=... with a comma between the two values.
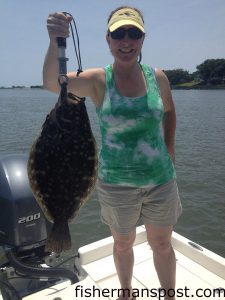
x=123, y=242
x=161, y=247
x=159, y=239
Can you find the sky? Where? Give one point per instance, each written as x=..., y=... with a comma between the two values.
x=179, y=34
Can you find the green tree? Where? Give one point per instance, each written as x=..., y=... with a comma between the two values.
x=212, y=70
x=178, y=76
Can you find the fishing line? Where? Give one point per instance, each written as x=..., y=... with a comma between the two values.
x=76, y=42
x=63, y=79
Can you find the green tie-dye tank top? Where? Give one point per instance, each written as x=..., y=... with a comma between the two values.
x=133, y=152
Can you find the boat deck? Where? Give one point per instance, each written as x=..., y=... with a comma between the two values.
x=200, y=273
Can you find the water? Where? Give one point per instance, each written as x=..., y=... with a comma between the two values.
x=200, y=159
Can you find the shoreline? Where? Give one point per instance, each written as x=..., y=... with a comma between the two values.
x=22, y=87
x=173, y=87
x=198, y=88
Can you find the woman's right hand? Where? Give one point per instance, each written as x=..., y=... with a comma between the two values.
x=58, y=25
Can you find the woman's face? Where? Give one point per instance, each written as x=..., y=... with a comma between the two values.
x=125, y=50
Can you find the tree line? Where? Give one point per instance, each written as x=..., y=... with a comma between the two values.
x=211, y=72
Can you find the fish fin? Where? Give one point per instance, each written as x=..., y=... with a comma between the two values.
x=59, y=239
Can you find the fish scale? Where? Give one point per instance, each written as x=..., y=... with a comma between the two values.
x=62, y=168
x=62, y=165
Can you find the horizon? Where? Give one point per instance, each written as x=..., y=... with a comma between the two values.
x=41, y=85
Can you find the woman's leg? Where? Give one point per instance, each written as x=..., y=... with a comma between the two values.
x=124, y=260
x=159, y=239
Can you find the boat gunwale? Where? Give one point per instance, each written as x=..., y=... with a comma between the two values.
x=204, y=257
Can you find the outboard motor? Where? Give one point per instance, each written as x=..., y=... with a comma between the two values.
x=23, y=233
x=22, y=223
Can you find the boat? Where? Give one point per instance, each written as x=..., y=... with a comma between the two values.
x=200, y=272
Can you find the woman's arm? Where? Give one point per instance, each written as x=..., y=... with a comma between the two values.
x=169, y=120
x=88, y=83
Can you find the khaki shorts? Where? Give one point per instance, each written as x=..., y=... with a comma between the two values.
x=122, y=206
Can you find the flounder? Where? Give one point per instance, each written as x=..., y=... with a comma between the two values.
x=62, y=167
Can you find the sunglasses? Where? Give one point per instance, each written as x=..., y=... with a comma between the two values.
x=133, y=33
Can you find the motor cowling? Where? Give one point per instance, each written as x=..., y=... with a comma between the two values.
x=22, y=222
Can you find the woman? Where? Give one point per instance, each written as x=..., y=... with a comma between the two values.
x=136, y=163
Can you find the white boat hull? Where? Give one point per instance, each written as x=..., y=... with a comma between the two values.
x=200, y=273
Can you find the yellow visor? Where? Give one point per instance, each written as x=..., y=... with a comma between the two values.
x=125, y=16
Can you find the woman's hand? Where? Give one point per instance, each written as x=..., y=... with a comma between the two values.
x=58, y=25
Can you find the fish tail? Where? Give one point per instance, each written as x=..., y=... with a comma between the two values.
x=59, y=239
